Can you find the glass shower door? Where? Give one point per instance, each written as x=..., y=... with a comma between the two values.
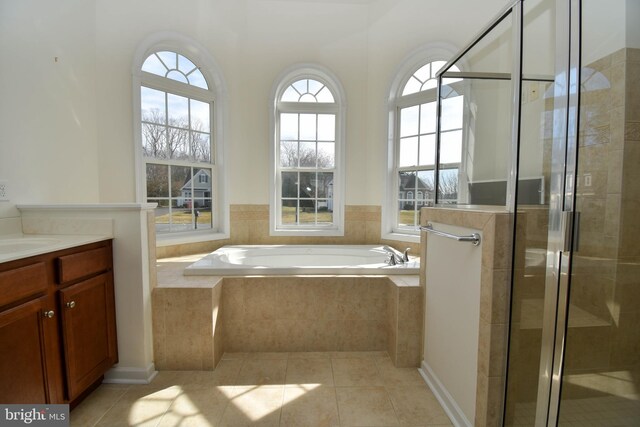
x=600, y=382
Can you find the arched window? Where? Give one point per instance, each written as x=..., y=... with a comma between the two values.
x=179, y=153
x=307, y=149
x=413, y=146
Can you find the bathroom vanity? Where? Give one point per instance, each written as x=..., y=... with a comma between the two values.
x=57, y=319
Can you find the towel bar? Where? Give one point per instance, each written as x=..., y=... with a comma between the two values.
x=473, y=238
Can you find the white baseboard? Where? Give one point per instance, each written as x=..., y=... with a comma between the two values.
x=124, y=375
x=457, y=417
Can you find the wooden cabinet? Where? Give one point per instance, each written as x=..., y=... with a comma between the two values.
x=22, y=356
x=88, y=330
x=57, y=324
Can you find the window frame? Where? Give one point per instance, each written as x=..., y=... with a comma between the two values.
x=216, y=97
x=278, y=107
x=396, y=102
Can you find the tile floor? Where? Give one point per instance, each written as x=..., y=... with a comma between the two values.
x=272, y=389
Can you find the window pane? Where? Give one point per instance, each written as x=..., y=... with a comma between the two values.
x=197, y=79
x=427, y=150
x=169, y=59
x=437, y=65
x=451, y=113
x=429, y=84
x=185, y=65
x=325, y=95
x=412, y=86
x=307, y=97
x=308, y=127
x=428, y=118
x=325, y=185
x=325, y=212
x=307, y=185
x=315, y=86
x=181, y=183
x=406, y=214
x=301, y=86
x=177, y=76
x=406, y=183
x=288, y=153
x=157, y=180
x=424, y=73
x=326, y=155
x=425, y=185
x=448, y=185
x=200, y=115
x=178, y=143
x=152, y=105
x=326, y=127
x=288, y=126
x=408, y=152
x=307, y=213
x=202, y=216
x=153, y=65
x=178, y=107
x=307, y=153
x=289, y=212
x=182, y=218
x=289, y=184
x=154, y=141
x=290, y=95
x=161, y=215
x=201, y=183
x=201, y=147
x=451, y=147
x=409, y=121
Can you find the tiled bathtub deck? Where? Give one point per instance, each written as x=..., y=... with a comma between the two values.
x=272, y=389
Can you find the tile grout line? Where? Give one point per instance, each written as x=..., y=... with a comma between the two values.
x=335, y=390
x=284, y=386
x=111, y=407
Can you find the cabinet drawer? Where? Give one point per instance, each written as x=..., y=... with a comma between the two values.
x=22, y=282
x=83, y=264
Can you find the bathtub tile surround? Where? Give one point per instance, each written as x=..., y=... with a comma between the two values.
x=250, y=226
x=196, y=318
x=307, y=392
x=494, y=226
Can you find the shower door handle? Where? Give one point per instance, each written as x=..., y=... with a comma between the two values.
x=571, y=230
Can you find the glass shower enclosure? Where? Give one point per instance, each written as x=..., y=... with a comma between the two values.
x=550, y=92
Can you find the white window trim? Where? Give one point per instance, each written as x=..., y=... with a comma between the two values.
x=325, y=76
x=183, y=45
x=429, y=53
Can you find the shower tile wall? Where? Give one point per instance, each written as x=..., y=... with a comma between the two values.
x=250, y=226
x=606, y=278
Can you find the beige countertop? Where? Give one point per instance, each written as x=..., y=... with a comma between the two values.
x=18, y=246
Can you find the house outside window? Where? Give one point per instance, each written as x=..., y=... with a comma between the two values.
x=179, y=141
x=413, y=147
x=307, y=161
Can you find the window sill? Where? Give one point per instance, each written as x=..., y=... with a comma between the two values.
x=401, y=237
x=331, y=232
x=182, y=238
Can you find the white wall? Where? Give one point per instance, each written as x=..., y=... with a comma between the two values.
x=453, y=301
x=67, y=129
x=48, y=145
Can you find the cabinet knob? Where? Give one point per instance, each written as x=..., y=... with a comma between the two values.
x=71, y=304
x=49, y=314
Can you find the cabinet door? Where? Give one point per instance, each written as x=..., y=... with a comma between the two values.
x=22, y=355
x=88, y=329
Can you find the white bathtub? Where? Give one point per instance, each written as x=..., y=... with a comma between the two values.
x=299, y=259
